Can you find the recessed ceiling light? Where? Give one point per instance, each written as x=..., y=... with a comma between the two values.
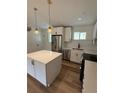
x=79, y=19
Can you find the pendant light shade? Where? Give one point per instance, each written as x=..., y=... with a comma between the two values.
x=49, y=29
x=36, y=31
x=35, y=13
x=50, y=26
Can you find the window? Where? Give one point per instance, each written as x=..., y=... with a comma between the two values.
x=82, y=35
x=49, y=37
x=79, y=35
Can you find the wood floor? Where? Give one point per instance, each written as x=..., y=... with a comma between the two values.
x=72, y=66
x=67, y=82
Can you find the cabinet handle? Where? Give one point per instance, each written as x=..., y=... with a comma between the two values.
x=32, y=62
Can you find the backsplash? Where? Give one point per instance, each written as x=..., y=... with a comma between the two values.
x=34, y=41
x=85, y=44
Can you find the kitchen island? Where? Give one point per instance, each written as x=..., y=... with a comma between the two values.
x=44, y=66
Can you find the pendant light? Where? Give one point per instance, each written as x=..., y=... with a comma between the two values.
x=50, y=26
x=35, y=13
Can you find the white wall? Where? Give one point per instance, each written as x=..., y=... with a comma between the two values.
x=34, y=41
x=85, y=44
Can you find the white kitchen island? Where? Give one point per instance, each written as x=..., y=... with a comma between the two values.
x=44, y=66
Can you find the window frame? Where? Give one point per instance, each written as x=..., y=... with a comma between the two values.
x=79, y=36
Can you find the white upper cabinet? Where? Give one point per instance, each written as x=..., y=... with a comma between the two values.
x=67, y=34
x=95, y=34
x=53, y=32
x=95, y=31
x=60, y=30
x=57, y=31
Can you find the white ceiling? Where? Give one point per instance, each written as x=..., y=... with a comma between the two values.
x=63, y=12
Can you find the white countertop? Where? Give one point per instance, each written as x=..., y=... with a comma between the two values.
x=43, y=56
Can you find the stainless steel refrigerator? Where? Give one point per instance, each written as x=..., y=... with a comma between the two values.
x=56, y=43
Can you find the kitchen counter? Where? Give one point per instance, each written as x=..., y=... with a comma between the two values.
x=88, y=56
x=94, y=52
x=91, y=57
x=88, y=51
x=44, y=66
x=78, y=49
x=90, y=77
x=44, y=56
x=88, y=71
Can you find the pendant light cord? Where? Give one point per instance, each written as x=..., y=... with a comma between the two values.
x=35, y=9
x=49, y=12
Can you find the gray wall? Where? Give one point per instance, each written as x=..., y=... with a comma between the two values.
x=34, y=41
x=46, y=43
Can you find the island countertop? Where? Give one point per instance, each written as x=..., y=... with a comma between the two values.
x=43, y=56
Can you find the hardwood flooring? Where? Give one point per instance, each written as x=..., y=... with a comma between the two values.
x=67, y=82
x=71, y=66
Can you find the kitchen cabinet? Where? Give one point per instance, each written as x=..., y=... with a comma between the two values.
x=76, y=55
x=36, y=70
x=95, y=34
x=95, y=31
x=39, y=69
x=57, y=31
x=30, y=67
x=90, y=77
x=44, y=66
x=67, y=34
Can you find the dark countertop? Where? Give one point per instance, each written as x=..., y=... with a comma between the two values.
x=91, y=57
